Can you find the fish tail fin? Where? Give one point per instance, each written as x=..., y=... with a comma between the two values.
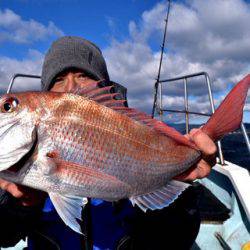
x=228, y=115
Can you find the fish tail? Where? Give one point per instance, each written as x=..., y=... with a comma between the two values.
x=228, y=115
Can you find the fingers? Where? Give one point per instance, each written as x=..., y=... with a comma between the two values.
x=206, y=146
x=11, y=188
x=200, y=170
x=208, y=149
x=203, y=142
x=27, y=196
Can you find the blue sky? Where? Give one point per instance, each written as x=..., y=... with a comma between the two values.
x=210, y=36
x=95, y=20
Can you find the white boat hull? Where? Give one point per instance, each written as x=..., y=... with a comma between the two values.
x=231, y=185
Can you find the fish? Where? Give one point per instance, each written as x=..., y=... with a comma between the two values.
x=88, y=144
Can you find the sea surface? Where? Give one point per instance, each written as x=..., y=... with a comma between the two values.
x=233, y=145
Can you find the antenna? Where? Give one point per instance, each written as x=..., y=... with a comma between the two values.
x=160, y=64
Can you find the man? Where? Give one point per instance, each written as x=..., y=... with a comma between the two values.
x=70, y=63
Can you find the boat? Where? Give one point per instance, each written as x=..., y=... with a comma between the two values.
x=226, y=190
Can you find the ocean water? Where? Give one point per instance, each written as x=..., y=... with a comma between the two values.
x=235, y=149
x=233, y=145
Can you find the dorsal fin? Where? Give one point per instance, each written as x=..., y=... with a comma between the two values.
x=100, y=93
x=104, y=95
x=89, y=85
x=159, y=126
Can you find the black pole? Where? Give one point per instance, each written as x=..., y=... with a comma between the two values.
x=87, y=226
x=159, y=69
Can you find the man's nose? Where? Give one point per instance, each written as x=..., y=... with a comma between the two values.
x=71, y=83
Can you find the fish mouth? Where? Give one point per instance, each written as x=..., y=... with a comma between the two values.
x=15, y=168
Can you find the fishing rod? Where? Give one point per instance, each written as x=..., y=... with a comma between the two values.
x=160, y=64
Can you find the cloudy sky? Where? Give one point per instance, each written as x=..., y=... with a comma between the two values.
x=211, y=36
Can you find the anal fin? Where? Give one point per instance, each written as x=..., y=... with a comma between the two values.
x=69, y=208
x=161, y=197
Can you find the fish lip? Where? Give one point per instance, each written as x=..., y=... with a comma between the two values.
x=17, y=167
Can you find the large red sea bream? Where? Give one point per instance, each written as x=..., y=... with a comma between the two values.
x=74, y=147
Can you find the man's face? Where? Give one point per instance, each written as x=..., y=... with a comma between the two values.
x=70, y=80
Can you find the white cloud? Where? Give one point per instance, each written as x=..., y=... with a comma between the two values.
x=14, y=29
x=212, y=36
x=32, y=64
x=151, y=22
x=217, y=29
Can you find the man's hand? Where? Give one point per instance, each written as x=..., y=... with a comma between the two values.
x=27, y=196
x=208, y=149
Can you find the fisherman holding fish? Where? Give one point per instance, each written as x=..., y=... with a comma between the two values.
x=75, y=65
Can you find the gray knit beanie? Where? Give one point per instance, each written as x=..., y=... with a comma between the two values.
x=73, y=52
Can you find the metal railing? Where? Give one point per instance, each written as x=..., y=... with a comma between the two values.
x=160, y=110
x=18, y=75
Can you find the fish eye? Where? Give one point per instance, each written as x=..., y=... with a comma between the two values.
x=9, y=105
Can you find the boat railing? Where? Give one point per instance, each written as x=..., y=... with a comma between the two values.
x=18, y=75
x=158, y=105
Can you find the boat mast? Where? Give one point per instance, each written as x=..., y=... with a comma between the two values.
x=160, y=64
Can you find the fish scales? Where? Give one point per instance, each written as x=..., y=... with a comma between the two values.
x=113, y=121
x=115, y=144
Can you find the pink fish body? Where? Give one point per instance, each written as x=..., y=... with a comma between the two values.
x=76, y=147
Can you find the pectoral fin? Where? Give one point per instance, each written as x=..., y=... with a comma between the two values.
x=94, y=180
x=160, y=198
x=69, y=209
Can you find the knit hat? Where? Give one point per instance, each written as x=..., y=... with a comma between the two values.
x=73, y=52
